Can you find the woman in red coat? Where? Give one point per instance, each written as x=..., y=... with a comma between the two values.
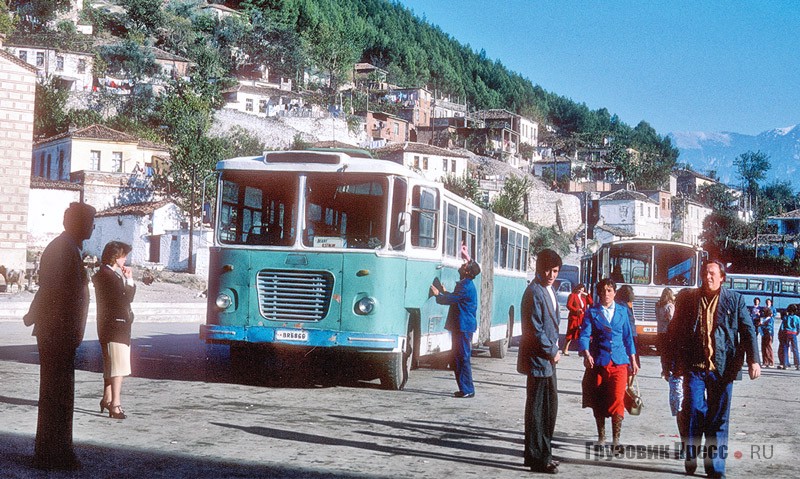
x=577, y=304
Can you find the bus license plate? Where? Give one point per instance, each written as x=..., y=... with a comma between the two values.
x=291, y=335
x=649, y=330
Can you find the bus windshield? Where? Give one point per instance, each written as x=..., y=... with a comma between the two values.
x=342, y=211
x=673, y=265
x=345, y=211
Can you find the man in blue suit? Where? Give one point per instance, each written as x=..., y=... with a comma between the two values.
x=709, y=337
x=462, y=323
x=538, y=355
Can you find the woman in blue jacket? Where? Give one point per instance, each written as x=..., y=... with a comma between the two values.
x=609, y=356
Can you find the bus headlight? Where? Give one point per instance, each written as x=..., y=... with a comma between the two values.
x=223, y=301
x=365, y=305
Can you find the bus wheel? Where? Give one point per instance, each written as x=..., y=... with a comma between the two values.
x=396, y=368
x=392, y=375
x=498, y=349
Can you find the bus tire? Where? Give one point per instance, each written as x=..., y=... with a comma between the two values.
x=498, y=349
x=392, y=376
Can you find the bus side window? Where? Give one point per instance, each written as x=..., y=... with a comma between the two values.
x=424, y=217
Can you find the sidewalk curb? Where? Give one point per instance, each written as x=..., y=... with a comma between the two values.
x=143, y=312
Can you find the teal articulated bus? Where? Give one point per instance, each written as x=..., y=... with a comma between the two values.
x=335, y=251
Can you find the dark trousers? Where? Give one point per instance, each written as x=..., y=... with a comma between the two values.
x=462, y=352
x=766, y=350
x=541, y=409
x=707, y=405
x=56, y=402
x=790, y=343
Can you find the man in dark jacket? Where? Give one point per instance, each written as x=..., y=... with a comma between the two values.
x=709, y=337
x=462, y=323
x=59, y=312
x=538, y=356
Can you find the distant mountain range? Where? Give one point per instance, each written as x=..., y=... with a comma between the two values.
x=716, y=151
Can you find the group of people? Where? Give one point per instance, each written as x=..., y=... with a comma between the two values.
x=705, y=336
x=58, y=314
x=787, y=333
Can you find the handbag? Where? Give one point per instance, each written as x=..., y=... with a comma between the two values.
x=633, y=401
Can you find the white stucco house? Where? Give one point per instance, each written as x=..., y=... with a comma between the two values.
x=94, y=148
x=261, y=101
x=72, y=69
x=142, y=225
x=688, y=224
x=432, y=162
x=634, y=213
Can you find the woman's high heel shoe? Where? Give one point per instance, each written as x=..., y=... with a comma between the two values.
x=116, y=412
x=105, y=405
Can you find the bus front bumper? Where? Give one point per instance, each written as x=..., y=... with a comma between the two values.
x=295, y=337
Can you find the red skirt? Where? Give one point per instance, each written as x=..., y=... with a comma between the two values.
x=574, y=327
x=604, y=389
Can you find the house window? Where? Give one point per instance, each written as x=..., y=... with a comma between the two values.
x=39, y=59
x=444, y=164
x=59, y=63
x=663, y=203
x=41, y=165
x=262, y=106
x=453, y=166
x=396, y=128
x=94, y=160
x=424, y=162
x=641, y=210
x=23, y=55
x=81, y=66
x=416, y=162
x=116, y=161
x=248, y=104
x=49, y=162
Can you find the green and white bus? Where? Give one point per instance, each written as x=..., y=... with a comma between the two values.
x=336, y=251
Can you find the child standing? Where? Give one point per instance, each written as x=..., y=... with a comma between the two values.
x=767, y=330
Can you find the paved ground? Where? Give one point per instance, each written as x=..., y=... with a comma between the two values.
x=182, y=426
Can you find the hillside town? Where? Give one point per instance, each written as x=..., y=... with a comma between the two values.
x=433, y=135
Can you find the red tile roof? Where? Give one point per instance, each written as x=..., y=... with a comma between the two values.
x=133, y=209
x=422, y=148
x=13, y=59
x=93, y=132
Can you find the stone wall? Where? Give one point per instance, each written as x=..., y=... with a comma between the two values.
x=549, y=208
x=17, y=97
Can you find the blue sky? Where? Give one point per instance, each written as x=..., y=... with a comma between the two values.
x=679, y=65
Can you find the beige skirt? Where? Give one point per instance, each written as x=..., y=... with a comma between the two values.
x=116, y=360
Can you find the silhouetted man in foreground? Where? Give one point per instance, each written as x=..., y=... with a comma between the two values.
x=58, y=312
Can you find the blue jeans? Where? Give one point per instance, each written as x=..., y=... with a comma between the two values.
x=707, y=405
x=462, y=351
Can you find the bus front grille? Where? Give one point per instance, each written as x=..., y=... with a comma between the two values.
x=645, y=309
x=285, y=295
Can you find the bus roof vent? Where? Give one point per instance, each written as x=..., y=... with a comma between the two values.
x=301, y=157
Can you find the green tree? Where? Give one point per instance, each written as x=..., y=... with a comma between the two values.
x=50, y=110
x=186, y=118
x=752, y=167
x=512, y=200
x=718, y=197
x=466, y=187
x=240, y=142
x=334, y=50
x=548, y=237
x=136, y=62
x=35, y=15
x=7, y=23
x=144, y=16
